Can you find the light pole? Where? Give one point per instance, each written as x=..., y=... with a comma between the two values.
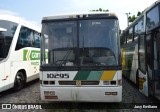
x=127, y=18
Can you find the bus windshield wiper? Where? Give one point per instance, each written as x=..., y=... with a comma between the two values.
x=63, y=61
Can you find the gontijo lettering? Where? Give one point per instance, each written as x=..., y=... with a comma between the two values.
x=32, y=55
x=35, y=55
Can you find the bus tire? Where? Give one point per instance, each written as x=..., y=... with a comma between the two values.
x=19, y=81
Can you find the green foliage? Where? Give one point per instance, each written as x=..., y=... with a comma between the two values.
x=133, y=17
x=100, y=10
x=139, y=13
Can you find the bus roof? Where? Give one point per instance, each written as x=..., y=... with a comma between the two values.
x=74, y=15
x=21, y=21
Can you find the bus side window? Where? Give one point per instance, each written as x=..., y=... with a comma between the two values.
x=36, y=40
x=141, y=54
x=129, y=35
x=27, y=38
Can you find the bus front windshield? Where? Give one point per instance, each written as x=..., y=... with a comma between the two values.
x=85, y=43
x=7, y=31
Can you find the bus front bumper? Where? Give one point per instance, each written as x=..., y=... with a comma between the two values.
x=82, y=94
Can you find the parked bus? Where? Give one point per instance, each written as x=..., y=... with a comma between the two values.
x=140, y=43
x=19, y=52
x=83, y=58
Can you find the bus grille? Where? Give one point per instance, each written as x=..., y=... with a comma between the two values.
x=82, y=82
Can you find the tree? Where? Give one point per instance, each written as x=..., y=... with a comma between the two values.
x=133, y=17
x=100, y=10
x=139, y=13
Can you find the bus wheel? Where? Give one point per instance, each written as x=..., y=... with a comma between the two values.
x=19, y=81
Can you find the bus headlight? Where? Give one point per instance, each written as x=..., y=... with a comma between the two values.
x=47, y=82
x=113, y=82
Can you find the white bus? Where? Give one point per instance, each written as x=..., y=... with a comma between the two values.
x=19, y=52
x=83, y=58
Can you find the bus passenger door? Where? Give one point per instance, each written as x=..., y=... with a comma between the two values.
x=149, y=62
x=142, y=74
x=156, y=76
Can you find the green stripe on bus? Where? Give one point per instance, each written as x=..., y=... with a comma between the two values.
x=82, y=75
x=24, y=55
x=95, y=75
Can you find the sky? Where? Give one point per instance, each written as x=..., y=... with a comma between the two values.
x=34, y=10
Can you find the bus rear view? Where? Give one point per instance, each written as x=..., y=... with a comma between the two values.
x=83, y=58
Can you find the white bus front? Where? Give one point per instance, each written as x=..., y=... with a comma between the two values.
x=83, y=60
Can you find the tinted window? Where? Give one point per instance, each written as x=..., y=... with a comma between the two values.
x=36, y=40
x=139, y=28
x=7, y=31
x=123, y=39
x=62, y=41
x=149, y=51
x=152, y=18
x=99, y=42
x=135, y=32
x=142, y=64
x=28, y=38
x=129, y=35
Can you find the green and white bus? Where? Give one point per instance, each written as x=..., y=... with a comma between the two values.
x=83, y=58
x=140, y=43
x=19, y=52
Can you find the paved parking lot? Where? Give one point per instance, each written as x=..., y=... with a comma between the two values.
x=30, y=94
